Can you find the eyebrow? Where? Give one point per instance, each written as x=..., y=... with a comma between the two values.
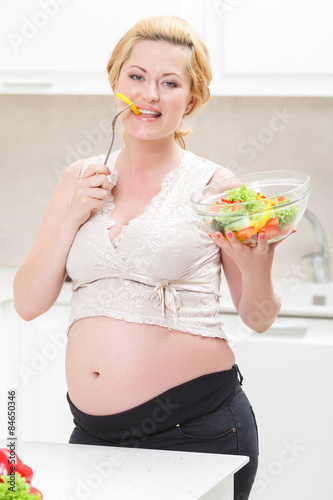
x=164, y=74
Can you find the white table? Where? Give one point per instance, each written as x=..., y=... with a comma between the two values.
x=82, y=472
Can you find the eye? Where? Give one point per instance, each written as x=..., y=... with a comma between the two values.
x=171, y=84
x=136, y=77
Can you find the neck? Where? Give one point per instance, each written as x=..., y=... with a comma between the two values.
x=149, y=157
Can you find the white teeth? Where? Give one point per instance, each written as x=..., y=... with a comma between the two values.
x=147, y=112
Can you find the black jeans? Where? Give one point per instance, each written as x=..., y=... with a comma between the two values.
x=209, y=414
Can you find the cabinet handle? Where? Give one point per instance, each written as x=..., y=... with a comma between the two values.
x=22, y=82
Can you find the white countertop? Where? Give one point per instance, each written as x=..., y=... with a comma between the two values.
x=72, y=472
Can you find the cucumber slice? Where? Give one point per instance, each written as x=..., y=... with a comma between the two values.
x=237, y=224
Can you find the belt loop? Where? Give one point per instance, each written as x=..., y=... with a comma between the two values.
x=241, y=378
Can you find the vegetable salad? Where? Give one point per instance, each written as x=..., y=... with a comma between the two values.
x=251, y=213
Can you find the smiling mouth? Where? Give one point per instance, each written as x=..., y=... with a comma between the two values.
x=146, y=112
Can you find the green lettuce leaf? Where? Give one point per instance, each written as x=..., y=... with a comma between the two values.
x=286, y=216
x=19, y=491
x=241, y=194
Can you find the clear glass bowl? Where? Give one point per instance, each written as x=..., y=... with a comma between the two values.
x=286, y=194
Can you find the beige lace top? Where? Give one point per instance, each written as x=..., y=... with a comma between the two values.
x=161, y=269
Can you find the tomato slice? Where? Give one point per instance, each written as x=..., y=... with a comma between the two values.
x=272, y=222
x=215, y=209
x=245, y=233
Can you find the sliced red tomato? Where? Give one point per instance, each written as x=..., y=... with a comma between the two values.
x=215, y=209
x=245, y=233
x=272, y=222
x=278, y=199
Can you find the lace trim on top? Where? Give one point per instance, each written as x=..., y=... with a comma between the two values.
x=109, y=203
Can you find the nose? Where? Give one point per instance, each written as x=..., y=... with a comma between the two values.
x=151, y=92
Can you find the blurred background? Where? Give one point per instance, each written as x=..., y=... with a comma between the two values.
x=271, y=108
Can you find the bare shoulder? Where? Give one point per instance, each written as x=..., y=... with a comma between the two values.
x=226, y=177
x=222, y=174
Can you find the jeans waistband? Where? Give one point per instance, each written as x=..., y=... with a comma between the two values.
x=177, y=405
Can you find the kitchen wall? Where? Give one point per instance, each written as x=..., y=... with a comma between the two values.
x=43, y=134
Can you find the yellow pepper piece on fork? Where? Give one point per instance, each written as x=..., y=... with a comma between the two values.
x=125, y=99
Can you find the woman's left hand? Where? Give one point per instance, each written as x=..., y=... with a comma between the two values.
x=248, y=259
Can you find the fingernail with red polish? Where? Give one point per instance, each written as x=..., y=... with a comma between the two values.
x=109, y=171
x=261, y=236
x=229, y=234
x=210, y=235
x=218, y=235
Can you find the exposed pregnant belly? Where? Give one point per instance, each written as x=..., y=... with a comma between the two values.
x=114, y=365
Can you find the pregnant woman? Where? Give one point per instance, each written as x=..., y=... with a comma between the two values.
x=148, y=363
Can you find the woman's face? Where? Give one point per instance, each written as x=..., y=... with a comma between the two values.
x=155, y=78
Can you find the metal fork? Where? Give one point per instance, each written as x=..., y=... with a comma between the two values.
x=113, y=127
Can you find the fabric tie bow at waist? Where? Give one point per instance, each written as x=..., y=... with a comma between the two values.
x=167, y=297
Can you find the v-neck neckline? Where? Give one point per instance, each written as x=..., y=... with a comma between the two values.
x=111, y=204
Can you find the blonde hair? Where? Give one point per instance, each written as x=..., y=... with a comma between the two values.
x=178, y=32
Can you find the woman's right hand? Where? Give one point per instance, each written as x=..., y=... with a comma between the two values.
x=89, y=194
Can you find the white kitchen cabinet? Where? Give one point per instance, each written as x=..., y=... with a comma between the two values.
x=278, y=38
x=9, y=355
x=62, y=46
x=256, y=47
x=270, y=48
x=34, y=366
x=32, y=362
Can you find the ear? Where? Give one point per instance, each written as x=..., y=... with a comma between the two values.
x=190, y=104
